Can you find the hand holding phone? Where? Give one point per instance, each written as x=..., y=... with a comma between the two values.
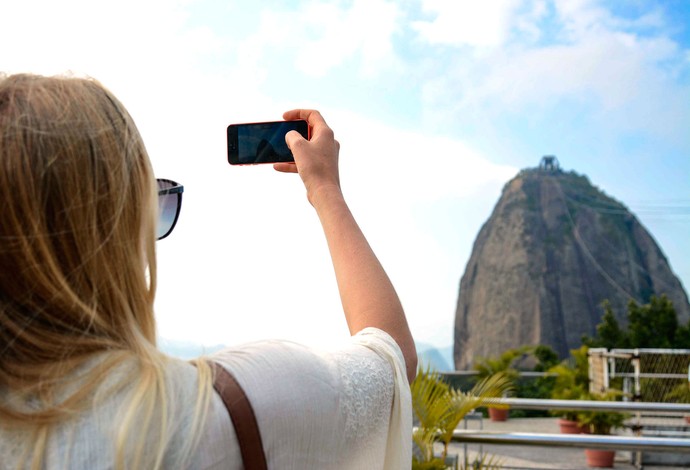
x=262, y=142
x=316, y=159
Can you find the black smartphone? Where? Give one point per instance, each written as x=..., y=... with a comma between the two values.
x=262, y=142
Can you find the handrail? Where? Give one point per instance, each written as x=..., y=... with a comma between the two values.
x=588, y=441
x=593, y=405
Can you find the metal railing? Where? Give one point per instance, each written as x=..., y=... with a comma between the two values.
x=666, y=441
x=589, y=441
x=594, y=405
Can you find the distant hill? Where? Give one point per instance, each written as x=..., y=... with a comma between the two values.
x=186, y=350
x=553, y=249
x=440, y=359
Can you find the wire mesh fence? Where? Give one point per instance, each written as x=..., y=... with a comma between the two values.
x=647, y=375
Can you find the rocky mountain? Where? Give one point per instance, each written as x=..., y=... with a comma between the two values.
x=553, y=249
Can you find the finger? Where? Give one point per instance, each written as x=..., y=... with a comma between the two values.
x=285, y=167
x=312, y=116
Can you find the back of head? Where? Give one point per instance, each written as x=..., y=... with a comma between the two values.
x=77, y=278
x=76, y=229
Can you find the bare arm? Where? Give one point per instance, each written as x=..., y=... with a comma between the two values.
x=367, y=295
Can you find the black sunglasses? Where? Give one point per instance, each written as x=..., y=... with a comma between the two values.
x=169, y=204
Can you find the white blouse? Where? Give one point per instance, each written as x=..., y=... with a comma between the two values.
x=344, y=409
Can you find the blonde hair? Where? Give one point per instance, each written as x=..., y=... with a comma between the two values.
x=77, y=237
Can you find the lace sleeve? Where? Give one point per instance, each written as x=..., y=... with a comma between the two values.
x=367, y=394
x=376, y=399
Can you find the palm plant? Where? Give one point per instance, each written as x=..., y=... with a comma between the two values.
x=572, y=380
x=439, y=409
x=678, y=394
x=503, y=364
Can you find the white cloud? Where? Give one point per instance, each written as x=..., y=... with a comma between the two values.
x=627, y=81
x=98, y=37
x=339, y=33
x=582, y=16
x=320, y=36
x=486, y=23
x=615, y=67
x=413, y=166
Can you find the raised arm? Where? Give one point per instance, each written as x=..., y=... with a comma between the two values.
x=366, y=292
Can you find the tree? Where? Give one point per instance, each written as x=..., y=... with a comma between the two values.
x=609, y=332
x=652, y=325
x=546, y=358
x=683, y=336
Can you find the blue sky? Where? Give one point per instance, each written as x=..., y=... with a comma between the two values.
x=436, y=103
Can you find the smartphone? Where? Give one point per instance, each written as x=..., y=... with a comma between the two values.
x=262, y=142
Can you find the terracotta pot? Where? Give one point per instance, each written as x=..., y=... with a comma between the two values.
x=498, y=414
x=571, y=427
x=687, y=419
x=600, y=458
x=568, y=427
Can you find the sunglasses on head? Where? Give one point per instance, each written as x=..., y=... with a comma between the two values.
x=169, y=204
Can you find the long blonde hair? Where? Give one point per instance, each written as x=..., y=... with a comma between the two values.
x=77, y=264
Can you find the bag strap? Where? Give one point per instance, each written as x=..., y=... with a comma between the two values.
x=242, y=416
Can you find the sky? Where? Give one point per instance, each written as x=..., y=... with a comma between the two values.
x=436, y=104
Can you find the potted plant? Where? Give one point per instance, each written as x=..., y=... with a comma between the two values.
x=679, y=394
x=439, y=408
x=601, y=422
x=504, y=364
x=571, y=383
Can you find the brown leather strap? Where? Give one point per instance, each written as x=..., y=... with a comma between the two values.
x=242, y=416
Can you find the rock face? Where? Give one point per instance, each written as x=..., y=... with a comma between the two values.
x=553, y=249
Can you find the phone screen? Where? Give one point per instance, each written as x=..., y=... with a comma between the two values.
x=262, y=142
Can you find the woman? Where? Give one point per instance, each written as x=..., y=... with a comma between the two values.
x=82, y=384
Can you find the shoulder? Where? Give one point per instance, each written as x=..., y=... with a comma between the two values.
x=307, y=400
x=252, y=361
x=276, y=371
x=278, y=376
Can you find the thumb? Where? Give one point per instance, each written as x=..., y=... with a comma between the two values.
x=291, y=139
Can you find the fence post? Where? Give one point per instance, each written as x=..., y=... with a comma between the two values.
x=637, y=460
